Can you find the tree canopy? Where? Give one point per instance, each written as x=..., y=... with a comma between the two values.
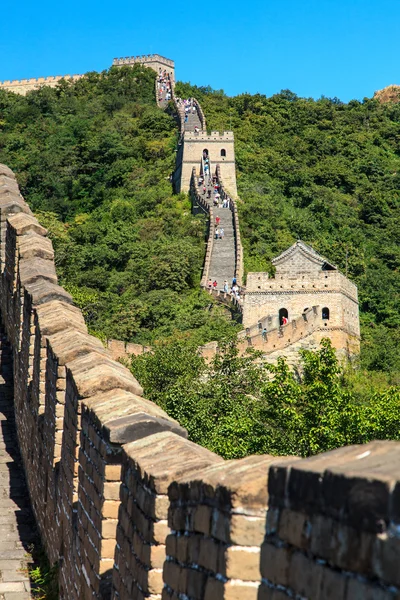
x=241, y=405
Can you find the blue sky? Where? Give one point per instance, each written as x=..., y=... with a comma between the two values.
x=339, y=48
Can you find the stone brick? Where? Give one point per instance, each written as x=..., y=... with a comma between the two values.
x=243, y=563
x=274, y=564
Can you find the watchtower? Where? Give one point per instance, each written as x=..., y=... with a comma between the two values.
x=305, y=279
x=219, y=147
x=154, y=61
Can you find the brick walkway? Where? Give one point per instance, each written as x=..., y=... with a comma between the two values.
x=16, y=521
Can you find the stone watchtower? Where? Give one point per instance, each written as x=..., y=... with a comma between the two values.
x=303, y=280
x=154, y=61
x=220, y=147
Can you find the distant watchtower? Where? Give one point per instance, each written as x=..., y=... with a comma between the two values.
x=305, y=279
x=153, y=61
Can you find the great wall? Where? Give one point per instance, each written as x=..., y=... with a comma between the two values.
x=128, y=507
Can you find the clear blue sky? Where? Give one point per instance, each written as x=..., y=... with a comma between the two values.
x=343, y=48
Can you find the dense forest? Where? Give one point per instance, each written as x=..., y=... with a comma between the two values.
x=94, y=160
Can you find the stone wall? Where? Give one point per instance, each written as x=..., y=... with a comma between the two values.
x=131, y=509
x=23, y=86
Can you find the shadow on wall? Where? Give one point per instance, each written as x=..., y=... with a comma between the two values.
x=17, y=499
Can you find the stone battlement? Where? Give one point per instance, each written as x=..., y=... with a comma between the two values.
x=203, y=136
x=259, y=283
x=23, y=86
x=144, y=59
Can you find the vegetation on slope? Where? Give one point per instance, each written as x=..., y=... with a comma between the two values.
x=93, y=160
x=238, y=406
x=327, y=173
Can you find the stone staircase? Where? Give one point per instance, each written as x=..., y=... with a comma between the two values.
x=222, y=266
x=193, y=120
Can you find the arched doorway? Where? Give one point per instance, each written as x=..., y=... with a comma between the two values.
x=283, y=316
x=325, y=313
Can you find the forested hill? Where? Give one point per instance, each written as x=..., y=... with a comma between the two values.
x=93, y=160
x=328, y=173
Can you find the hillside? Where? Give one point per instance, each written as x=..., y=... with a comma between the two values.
x=93, y=160
x=327, y=173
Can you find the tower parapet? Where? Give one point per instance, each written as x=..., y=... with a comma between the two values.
x=154, y=61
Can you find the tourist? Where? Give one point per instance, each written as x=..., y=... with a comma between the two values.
x=221, y=233
x=217, y=220
x=217, y=233
x=264, y=334
x=226, y=287
x=233, y=281
x=284, y=321
x=215, y=283
x=210, y=284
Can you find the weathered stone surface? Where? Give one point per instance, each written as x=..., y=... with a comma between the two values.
x=70, y=344
x=23, y=223
x=43, y=291
x=94, y=373
x=32, y=269
x=6, y=171
x=56, y=315
x=164, y=457
x=35, y=245
x=124, y=416
x=138, y=426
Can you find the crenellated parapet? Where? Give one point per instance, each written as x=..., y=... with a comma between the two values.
x=23, y=86
x=154, y=61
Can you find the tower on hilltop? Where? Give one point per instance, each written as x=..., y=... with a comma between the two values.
x=154, y=61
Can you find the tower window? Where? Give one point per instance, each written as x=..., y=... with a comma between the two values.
x=283, y=316
x=325, y=313
x=223, y=152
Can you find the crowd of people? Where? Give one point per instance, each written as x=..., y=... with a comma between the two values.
x=233, y=290
x=164, y=86
x=189, y=106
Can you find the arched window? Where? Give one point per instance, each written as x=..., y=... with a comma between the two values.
x=325, y=313
x=205, y=153
x=283, y=316
x=223, y=152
